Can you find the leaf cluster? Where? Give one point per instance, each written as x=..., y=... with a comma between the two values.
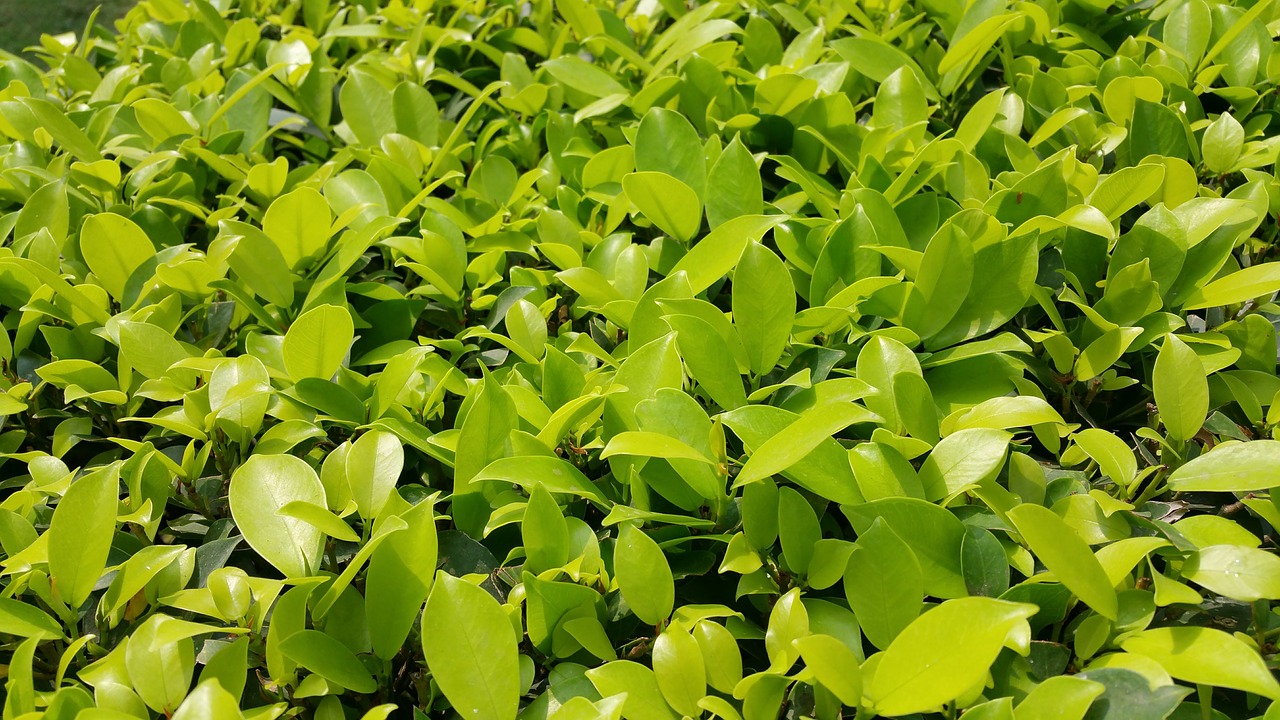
x=575, y=360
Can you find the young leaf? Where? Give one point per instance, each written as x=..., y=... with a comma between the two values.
x=300, y=225
x=259, y=489
x=883, y=584
x=1205, y=656
x=944, y=653
x=834, y=665
x=325, y=656
x=1066, y=555
x=471, y=650
x=80, y=534
x=1181, y=389
x=679, y=668
x=114, y=248
x=373, y=468
x=764, y=306
x=667, y=143
x=733, y=185
x=1235, y=467
x=798, y=439
x=317, y=342
x=399, y=578
x=643, y=575
x=544, y=533
x=668, y=203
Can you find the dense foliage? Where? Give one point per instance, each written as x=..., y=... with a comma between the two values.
x=571, y=359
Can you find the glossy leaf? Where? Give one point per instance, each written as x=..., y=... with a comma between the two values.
x=1066, y=556
x=943, y=653
x=258, y=490
x=1205, y=656
x=471, y=650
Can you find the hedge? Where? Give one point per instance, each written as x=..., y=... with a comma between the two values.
x=647, y=359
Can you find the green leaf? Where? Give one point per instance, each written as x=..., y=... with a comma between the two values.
x=880, y=360
x=584, y=77
x=1187, y=29
x=1181, y=389
x=399, y=578
x=526, y=326
x=1222, y=143
x=1130, y=695
x=299, y=223
x=259, y=263
x=367, y=108
x=717, y=253
x=644, y=699
x=319, y=518
x=1157, y=130
x=481, y=440
x=788, y=622
x=933, y=533
x=1110, y=452
x=667, y=202
x=80, y=534
x=651, y=444
x=944, y=653
x=150, y=349
x=1240, y=573
x=229, y=668
x=325, y=656
x=900, y=102
x=544, y=532
x=989, y=305
x=883, y=584
x=733, y=185
x=27, y=621
x=471, y=650
x=983, y=562
x=1062, y=697
x=967, y=52
x=1234, y=467
x=318, y=342
x=259, y=489
x=1125, y=188
x=709, y=359
x=798, y=530
x=720, y=655
x=1104, y=352
x=115, y=248
x=962, y=461
x=60, y=127
x=1003, y=413
x=834, y=665
x=679, y=669
x=550, y=473
x=764, y=306
x=667, y=143
x=1238, y=287
x=1205, y=656
x=943, y=281
x=209, y=701
x=160, y=672
x=374, y=464
x=801, y=437
x=643, y=575
x=161, y=120
x=1066, y=555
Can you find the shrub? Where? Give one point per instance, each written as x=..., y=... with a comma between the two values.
x=587, y=360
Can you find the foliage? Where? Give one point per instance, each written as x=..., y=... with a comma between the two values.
x=819, y=359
